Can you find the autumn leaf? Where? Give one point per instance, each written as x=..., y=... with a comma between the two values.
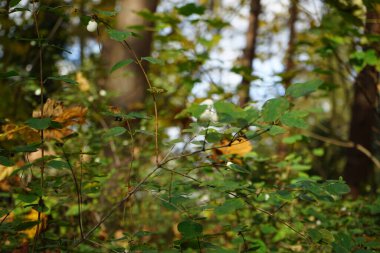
x=33, y=216
x=239, y=147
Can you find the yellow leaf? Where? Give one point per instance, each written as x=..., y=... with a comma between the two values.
x=33, y=216
x=84, y=84
x=239, y=147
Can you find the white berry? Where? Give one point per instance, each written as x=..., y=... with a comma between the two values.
x=92, y=26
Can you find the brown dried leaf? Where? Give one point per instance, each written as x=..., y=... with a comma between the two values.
x=13, y=131
x=66, y=116
x=51, y=108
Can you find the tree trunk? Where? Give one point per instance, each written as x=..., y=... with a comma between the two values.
x=249, y=52
x=129, y=84
x=289, y=71
x=289, y=58
x=359, y=168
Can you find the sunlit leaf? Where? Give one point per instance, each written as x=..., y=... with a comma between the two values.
x=294, y=119
x=274, y=108
x=276, y=130
x=302, y=89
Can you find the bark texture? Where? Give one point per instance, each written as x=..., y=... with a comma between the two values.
x=249, y=52
x=359, y=168
x=129, y=84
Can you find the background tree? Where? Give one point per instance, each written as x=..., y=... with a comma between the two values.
x=130, y=86
x=359, y=168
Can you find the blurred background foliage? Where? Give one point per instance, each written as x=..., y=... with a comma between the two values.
x=266, y=109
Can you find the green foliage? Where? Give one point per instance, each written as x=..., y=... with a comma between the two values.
x=274, y=108
x=115, y=131
x=39, y=124
x=302, y=89
x=121, y=64
x=119, y=36
x=96, y=178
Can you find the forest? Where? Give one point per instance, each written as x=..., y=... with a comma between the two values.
x=223, y=126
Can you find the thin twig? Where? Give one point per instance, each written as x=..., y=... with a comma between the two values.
x=115, y=207
x=248, y=202
x=346, y=144
x=77, y=188
x=165, y=161
x=138, y=61
x=132, y=153
x=42, y=138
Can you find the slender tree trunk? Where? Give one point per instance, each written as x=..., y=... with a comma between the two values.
x=249, y=52
x=363, y=113
x=289, y=61
x=129, y=84
x=289, y=58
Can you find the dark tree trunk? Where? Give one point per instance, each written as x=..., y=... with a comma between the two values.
x=129, y=84
x=289, y=58
x=249, y=52
x=359, y=168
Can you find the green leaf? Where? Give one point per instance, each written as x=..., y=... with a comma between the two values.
x=300, y=167
x=196, y=110
x=276, y=130
x=6, y=162
x=190, y=9
x=274, y=108
x=115, y=131
x=8, y=74
x=121, y=64
x=294, y=119
x=238, y=168
x=13, y=3
x=39, y=124
x=190, y=229
x=26, y=225
x=119, y=35
x=302, y=89
x=318, y=151
x=227, y=112
x=229, y=206
x=337, y=187
x=292, y=139
x=258, y=246
x=137, y=115
x=152, y=60
x=321, y=235
x=27, y=198
x=65, y=79
x=58, y=164
x=27, y=148
x=106, y=13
